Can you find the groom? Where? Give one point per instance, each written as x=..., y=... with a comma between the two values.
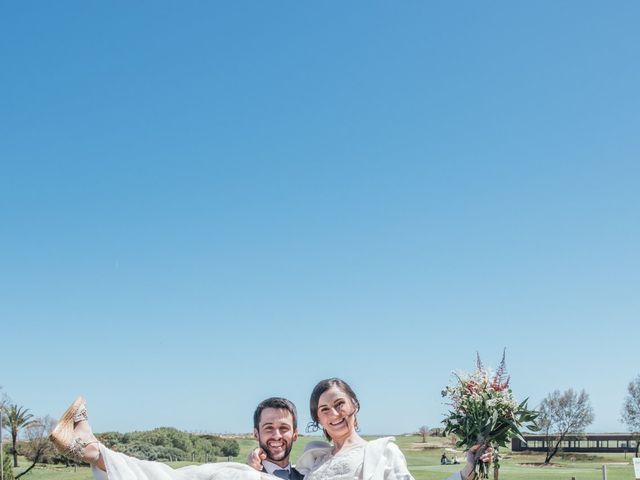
x=275, y=426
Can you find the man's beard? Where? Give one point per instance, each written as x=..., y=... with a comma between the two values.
x=285, y=452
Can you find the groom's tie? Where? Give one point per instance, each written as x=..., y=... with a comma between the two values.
x=282, y=473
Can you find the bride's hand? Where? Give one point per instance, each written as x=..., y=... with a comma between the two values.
x=255, y=458
x=479, y=451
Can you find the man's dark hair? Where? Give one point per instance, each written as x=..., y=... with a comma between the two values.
x=275, y=402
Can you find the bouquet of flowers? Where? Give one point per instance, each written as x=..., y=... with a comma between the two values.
x=483, y=411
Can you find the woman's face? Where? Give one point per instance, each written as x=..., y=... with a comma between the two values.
x=336, y=413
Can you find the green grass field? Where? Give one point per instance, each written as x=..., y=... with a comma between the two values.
x=424, y=464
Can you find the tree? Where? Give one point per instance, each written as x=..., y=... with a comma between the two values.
x=6, y=463
x=424, y=431
x=230, y=448
x=37, y=445
x=561, y=414
x=17, y=418
x=631, y=410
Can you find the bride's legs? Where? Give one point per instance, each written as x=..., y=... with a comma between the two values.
x=91, y=452
x=73, y=436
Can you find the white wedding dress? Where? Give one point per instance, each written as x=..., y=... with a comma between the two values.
x=379, y=459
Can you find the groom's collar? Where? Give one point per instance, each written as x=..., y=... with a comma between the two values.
x=270, y=466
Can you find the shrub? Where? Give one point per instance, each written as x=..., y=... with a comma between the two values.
x=8, y=469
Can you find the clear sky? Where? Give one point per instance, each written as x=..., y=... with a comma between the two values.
x=203, y=204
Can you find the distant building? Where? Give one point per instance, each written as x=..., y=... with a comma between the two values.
x=586, y=443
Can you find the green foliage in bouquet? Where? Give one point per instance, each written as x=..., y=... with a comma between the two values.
x=483, y=411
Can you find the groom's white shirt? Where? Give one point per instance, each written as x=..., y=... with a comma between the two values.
x=272, y=467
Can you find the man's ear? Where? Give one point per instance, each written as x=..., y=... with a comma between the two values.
x=255, y=433
x=295, y=435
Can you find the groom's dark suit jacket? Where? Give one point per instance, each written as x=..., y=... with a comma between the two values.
x=293, y=475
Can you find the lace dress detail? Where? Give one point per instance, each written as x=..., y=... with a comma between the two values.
x=341, y=466
x=377, y=460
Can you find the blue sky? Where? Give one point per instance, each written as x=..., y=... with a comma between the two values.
x=207, y=203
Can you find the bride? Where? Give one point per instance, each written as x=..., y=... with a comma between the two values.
x=333, y=406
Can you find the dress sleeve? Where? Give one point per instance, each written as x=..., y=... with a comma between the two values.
x=383, y=460
x=312, y=457
x=397, y=465
x=396, y=468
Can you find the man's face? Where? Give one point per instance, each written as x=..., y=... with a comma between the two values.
x=275, y=434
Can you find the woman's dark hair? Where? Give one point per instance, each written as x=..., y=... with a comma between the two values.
x=318, y=390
